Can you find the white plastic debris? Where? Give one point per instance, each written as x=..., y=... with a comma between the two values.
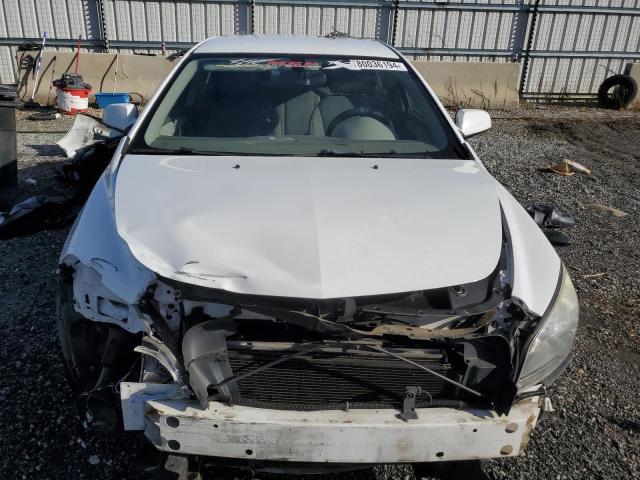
x=85, y=132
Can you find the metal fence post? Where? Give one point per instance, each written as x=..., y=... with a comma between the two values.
x=253, y=16
x=395, y=9
x=527, y=50
x=385, y=25
x=519, y=30
x=244, y=11
x=104, y=37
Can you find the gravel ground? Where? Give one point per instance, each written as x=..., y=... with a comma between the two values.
x=595, y=431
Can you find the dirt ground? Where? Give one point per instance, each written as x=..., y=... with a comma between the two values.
x=595, y=430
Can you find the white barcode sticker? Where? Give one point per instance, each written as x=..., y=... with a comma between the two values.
x=366, y=65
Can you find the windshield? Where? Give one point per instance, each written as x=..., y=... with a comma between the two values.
x=316, y=106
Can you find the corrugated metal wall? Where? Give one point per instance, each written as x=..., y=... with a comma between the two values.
x=575, y=49
x=574, y=44
x=170, y=21
x=358, y=20
x=489, y=31
x=28, y=19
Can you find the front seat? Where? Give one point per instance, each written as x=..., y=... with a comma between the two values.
x=295, y=112
x=241, y=108
x=345, y=91
x=326, y=111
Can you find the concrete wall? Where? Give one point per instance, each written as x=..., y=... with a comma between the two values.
x=458, y=84
x=136, y=73
x=473, y=84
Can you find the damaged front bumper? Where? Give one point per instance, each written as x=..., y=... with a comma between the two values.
x=358, y=436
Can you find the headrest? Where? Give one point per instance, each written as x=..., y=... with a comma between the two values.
x=347, y=82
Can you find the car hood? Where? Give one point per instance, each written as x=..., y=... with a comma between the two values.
x=310, y=227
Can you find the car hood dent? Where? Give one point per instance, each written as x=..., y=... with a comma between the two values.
x=310, y=227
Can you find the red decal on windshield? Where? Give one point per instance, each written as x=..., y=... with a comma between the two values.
x=293, y=64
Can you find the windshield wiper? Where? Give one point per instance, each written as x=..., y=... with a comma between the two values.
x=182, y=151
x=165, y=151
x=328, y=152
x=191, y=151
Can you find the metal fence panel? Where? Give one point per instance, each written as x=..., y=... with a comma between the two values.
x=359, y=19
x=459, y=30
x=176, y=23
x=63, y=20
x=574, y=44
x=578, y=43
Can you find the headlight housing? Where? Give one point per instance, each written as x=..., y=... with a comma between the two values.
x=549, y=349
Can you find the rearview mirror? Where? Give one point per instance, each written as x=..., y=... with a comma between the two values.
x=120, y=115
x=472, y=122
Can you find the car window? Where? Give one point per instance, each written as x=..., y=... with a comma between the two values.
x=297, y=106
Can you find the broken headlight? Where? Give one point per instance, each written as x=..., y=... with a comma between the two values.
x=550, y=346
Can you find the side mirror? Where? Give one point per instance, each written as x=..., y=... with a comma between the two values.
x=120, y=115
x=472, y=122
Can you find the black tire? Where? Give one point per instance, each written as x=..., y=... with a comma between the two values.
x=82, y=367
x=617, y=92
x=83, y=343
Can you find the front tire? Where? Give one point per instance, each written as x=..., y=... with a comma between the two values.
x=77, y=335
x=96, y=357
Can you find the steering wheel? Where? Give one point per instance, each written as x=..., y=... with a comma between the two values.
x=358, y=112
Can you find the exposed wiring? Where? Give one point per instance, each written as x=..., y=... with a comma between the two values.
x=422, y=367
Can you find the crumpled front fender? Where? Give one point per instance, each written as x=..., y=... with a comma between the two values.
x=536, y=265
x=95, y=244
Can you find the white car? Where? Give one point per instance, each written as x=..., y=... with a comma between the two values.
x=296, y=259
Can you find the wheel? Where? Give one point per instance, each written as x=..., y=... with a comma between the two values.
x=92, y=352
x=80, y=342
x=96, y=357
x=617, y=92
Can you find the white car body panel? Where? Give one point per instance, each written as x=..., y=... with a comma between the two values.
x=295, y=45
x=94, y=242
x=307, y=227
x=310, y=227
x=536, y=265
x=326, y=436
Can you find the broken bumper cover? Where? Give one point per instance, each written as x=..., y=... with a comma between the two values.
x=365, y=436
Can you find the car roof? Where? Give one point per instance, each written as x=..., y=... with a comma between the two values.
x=297, y=45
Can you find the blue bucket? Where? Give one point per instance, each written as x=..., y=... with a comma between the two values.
x=104, y=99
